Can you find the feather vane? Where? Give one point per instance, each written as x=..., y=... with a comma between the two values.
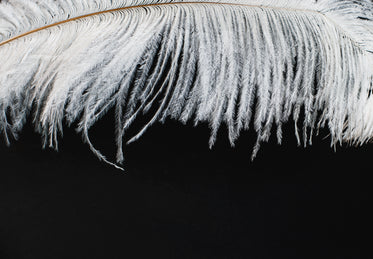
x=222, y=62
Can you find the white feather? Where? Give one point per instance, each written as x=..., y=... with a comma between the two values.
x=212, y=60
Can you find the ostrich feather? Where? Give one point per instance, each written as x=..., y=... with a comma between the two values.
x=216, y=61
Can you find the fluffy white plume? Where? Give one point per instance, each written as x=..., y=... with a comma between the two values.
x=221, y=61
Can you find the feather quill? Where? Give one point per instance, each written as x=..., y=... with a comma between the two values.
x=216, y=61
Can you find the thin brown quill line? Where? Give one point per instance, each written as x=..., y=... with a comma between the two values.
x=138, y=6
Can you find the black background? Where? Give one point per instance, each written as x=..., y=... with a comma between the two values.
x=178, y=199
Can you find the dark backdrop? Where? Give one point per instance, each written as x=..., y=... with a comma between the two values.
x=178, y=199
